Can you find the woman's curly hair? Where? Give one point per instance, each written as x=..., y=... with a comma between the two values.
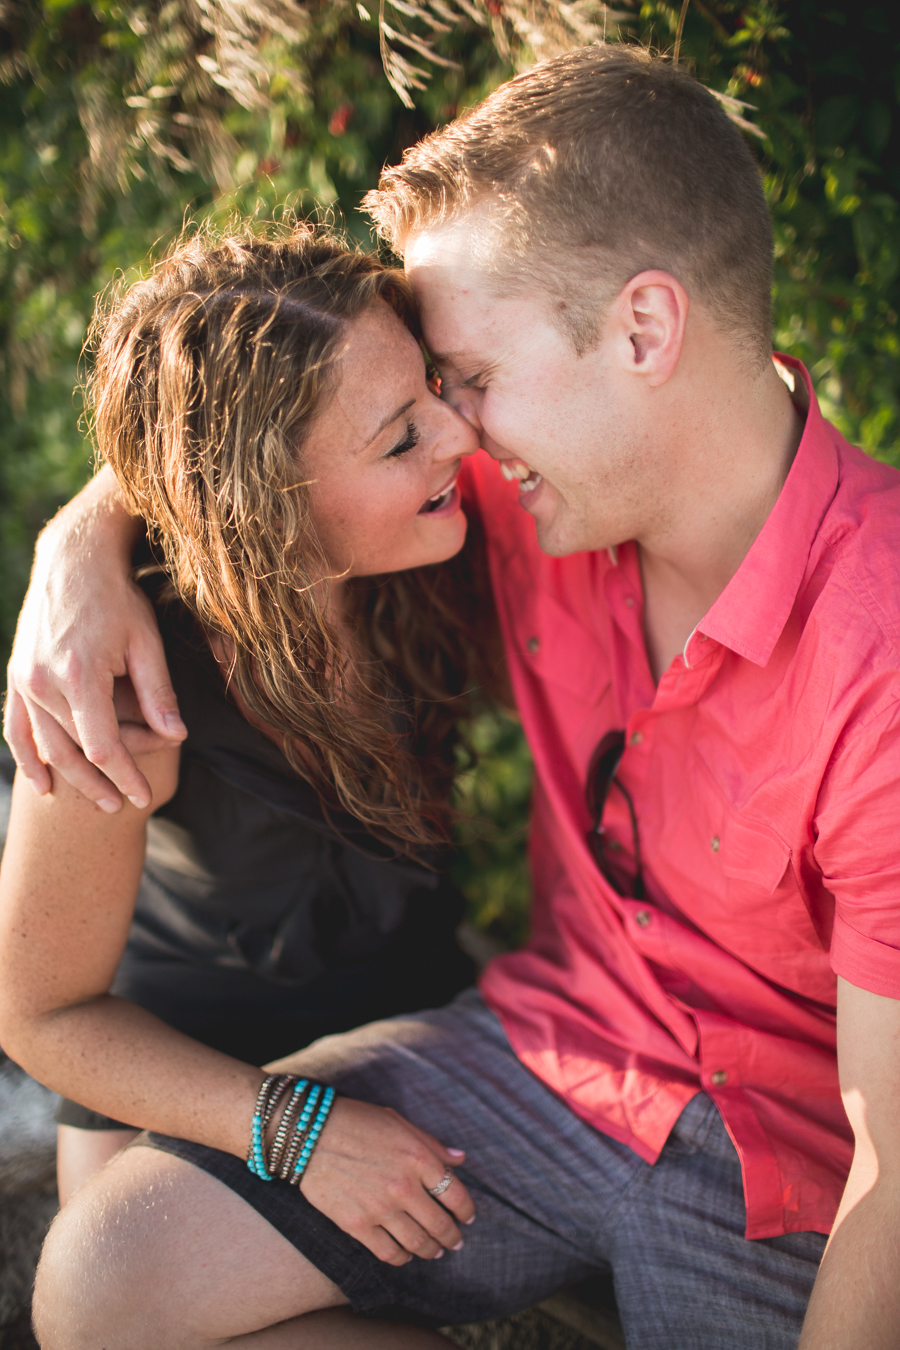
x=206, y=376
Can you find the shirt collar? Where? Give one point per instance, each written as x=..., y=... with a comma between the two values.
x=751, y=612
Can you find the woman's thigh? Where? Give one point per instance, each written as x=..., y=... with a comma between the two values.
x=155, y=1252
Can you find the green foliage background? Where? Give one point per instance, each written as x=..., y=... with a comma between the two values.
x=116, y=123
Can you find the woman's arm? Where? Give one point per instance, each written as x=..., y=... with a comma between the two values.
x=68, y=882
x=67, y=887
x=83, y=624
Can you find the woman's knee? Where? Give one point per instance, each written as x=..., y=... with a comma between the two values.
x=155, y=1252
x=80, y=1154
x=98, y=1280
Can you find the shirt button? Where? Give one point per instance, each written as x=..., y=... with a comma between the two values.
x=636, y=737
x=642, y=918
x=533, y=644
x=714, y=843
x=719, y=1078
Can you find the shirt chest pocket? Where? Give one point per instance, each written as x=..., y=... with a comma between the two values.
x=748, y=899
x=750, y=854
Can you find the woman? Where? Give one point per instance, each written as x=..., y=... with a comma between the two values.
x=263, y=402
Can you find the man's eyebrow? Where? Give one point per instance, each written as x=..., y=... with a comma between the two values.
x=391, y=417
x=437, y=357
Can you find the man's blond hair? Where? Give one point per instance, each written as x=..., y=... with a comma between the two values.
x=589, y=169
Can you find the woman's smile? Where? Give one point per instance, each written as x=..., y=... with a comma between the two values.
x=383, y=457
x=444, y=502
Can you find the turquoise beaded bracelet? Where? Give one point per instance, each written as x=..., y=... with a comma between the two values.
x=288, y=1159
x=270, y=1093
x=317, y=1127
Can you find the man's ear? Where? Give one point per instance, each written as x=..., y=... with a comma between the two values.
x=652, y=310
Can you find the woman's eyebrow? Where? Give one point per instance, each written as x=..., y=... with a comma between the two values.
x=391, y=417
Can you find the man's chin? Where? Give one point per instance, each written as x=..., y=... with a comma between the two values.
x=554, y=538
x=559, y=535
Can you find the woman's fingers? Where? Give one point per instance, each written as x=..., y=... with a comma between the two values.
x=413, y=1238
x=457, y=1200
x=371, y=1170
x=436, y=1222
x=381, y=1244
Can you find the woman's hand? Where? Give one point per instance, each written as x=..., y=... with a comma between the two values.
x=84, y=623
x=369, y=1174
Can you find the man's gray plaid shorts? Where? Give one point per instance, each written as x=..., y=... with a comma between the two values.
x=556, y=1200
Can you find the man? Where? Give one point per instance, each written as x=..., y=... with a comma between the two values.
x=702, y=639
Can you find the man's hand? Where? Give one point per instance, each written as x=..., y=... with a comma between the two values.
x=856, y=1297
x=84, y=623
x=369, y=1174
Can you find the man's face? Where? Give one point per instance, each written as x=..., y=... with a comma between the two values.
x=574, y=423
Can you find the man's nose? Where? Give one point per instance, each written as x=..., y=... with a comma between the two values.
x=464, y=439
x=466, y=402
x=461, y=435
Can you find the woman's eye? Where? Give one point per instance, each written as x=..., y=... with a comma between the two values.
x=410, y=440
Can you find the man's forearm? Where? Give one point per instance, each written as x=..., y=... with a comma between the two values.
x=855, y=1303
x=95, y=519
x=83, y=625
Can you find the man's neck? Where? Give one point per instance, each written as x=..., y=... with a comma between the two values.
x=689, y=560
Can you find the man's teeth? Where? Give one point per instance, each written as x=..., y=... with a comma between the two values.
x=529, y=484
x=513, y=469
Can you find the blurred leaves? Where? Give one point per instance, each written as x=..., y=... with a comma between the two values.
x=824, y=85
x=521, y=31
x=118, y=118
x=493, y=799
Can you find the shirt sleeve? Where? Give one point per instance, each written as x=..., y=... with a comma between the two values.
x=858, y=850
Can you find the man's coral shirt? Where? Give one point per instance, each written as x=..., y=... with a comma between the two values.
x=765, y=772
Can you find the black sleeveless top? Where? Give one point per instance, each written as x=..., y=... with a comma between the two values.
x=260, y=924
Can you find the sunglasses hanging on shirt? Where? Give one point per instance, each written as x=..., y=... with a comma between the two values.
x=601, y=778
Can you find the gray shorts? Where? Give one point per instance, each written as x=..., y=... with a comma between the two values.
x=556, y=1200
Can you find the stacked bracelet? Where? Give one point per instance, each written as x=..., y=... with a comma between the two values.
x=302, y=1122
x=270, y=1094
x=314, y=1132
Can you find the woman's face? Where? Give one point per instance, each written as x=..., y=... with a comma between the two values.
x=383, y=455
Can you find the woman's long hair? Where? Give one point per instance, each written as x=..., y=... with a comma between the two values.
x=206, y=377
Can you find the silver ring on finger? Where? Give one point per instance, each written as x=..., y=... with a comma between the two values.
x=442, y=1184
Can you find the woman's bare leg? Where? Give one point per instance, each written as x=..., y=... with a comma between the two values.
x=81, y=1153
x=154, y=1252
x=340, y=1330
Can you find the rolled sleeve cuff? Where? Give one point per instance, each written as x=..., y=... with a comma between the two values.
x=865, y=961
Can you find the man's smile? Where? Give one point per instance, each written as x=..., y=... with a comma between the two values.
x=513, y=469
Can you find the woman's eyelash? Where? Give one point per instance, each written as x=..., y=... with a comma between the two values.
x=410, y=440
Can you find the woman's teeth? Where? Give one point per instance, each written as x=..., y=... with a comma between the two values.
x=440, y=499
x=516, y=469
